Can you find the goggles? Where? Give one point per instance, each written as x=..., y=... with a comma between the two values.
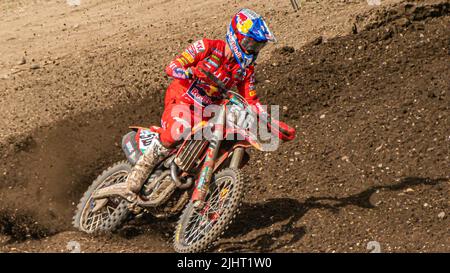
x=250, y=46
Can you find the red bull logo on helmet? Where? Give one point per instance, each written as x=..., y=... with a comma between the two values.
x=244, y=23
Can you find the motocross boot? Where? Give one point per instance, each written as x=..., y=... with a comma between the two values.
x=143, y=168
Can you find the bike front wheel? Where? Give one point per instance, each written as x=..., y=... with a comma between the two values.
x=197, y=229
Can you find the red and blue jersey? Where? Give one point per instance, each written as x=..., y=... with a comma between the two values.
x=209, y=55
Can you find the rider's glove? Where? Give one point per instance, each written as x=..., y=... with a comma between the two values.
x=284, y=131
x=189, y=74
x=182, y=74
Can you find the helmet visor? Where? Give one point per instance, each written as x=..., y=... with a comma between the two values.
x=250, y=46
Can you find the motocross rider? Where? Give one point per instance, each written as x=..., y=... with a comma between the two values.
x=231, y=61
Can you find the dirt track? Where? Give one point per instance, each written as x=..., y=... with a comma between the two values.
x=370, y=162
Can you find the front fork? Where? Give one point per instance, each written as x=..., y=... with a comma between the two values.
x=206, y=173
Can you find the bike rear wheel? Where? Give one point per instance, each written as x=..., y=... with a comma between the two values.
x=198, y=229
x=112, y=215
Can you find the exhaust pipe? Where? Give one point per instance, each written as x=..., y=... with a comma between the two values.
x=176, y=178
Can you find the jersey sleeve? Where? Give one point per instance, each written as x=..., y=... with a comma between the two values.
x=188, y=58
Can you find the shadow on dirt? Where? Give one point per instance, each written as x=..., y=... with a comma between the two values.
x=163, y=228
x=275, y=219
x=362, y=199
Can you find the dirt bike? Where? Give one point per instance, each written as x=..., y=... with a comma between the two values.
x=216, y=161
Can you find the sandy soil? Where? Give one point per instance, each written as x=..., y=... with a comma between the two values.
x=370, y=100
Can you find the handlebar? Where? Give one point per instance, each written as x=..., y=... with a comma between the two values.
x=265, y=118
